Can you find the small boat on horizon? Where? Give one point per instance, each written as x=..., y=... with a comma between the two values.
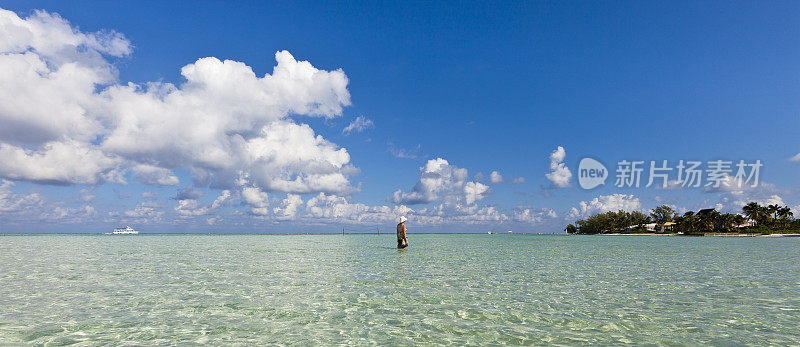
x=125, y=231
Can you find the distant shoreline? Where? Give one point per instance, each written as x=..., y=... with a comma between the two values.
x=339, y=234
x=703, y=235
x=321, y=234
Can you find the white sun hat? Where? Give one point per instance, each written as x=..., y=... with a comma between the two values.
x=403, y=219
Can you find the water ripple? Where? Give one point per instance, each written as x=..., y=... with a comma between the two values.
x=357, y=289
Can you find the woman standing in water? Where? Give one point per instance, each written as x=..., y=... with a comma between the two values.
x=402, y=239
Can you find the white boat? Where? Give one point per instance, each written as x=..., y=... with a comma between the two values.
x=125, y=231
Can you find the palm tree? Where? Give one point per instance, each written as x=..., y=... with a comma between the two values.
x=686, y=223
x=772, y=211
x=726, y=222
x=784, y=215
x=752, y=210
x=787, y=212
x=709, y=221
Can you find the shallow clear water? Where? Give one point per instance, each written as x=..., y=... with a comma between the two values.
x=359, y=289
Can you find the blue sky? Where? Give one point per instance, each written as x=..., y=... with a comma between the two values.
x=486, y=87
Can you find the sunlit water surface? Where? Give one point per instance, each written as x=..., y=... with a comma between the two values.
x=359, y=289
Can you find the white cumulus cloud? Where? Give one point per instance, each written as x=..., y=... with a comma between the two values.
x=456, y=198
x=495, y=177
x=155, y=175
x=605, y=203
x=474, y=191
x=533, y=216
x=334, y=208
x=559, y=172
x=192, y=207
x=67, y=119
x=11, y=203
x=258, y=200
x=145, y=212
x=289, y=207
x=56, y=163
x=17, y=207
x=449, y=212
x=440, y=181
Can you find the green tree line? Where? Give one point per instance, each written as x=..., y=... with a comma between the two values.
x=768, y=219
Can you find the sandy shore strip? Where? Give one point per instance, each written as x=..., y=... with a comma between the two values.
x=708, y=234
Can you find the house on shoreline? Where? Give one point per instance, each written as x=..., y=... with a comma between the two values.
x=655, y=227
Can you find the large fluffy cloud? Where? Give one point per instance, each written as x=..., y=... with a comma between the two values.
x=440, y=181
x=48, y=77
x=559, y=173
x=66, y=119
x=56, y=162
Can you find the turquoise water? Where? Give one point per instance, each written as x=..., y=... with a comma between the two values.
x=359, y=289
